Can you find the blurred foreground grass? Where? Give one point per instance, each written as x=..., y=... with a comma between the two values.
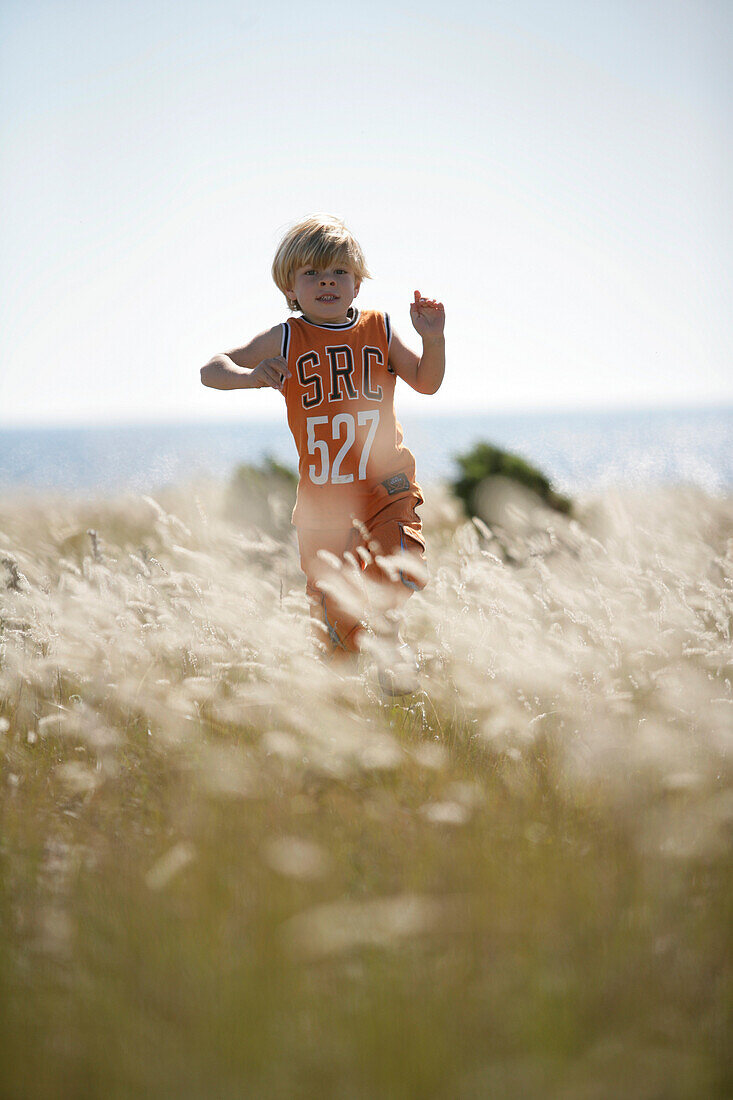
x=226, y=871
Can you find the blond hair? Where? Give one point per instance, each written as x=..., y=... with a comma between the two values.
x=320, y=240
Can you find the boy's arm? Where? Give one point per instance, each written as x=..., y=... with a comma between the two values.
x=424, y=374
x=257, y=364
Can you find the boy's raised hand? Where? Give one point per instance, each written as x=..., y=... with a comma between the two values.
x=269, y=372
x=427, y=315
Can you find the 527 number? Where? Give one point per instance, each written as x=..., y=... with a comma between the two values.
x=342, y=425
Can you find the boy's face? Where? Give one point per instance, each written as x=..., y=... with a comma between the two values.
x=324, y=294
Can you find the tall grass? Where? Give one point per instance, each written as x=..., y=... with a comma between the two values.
x=230, y=870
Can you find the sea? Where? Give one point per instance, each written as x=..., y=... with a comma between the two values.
x=579, y=451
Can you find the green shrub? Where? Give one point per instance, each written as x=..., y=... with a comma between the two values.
x=262, y=495
x=484, y=461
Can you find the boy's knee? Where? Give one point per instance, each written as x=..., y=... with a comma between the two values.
x=401, y=557
x=335, y=630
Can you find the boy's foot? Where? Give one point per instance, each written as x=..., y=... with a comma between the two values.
x=398, y=674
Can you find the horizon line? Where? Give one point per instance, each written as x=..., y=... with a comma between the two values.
x=526, y=410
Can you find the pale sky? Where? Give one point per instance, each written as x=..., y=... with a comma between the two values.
x=558, y=173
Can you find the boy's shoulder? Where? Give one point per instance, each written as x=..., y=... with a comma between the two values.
x=265, y=345
x=268, y=342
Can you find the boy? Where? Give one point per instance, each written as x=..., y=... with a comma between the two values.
x=336, y=366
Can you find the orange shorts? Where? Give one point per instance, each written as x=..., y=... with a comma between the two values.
x=368, y=567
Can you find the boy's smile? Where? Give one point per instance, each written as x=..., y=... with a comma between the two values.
x=324, y=294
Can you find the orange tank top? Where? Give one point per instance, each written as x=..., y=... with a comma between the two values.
x=340, y=406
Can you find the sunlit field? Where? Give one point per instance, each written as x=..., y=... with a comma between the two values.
x=229, y=870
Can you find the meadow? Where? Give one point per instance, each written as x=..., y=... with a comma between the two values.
x=229, y=870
